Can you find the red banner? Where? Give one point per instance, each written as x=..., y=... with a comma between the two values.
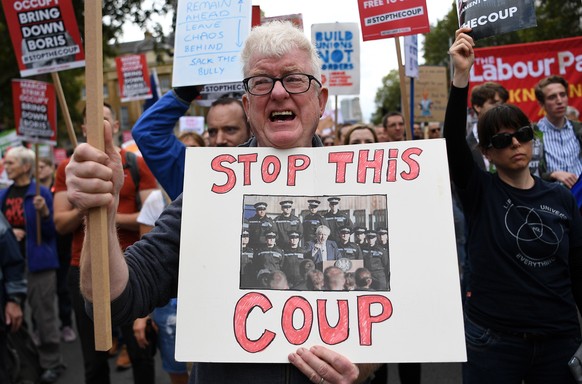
x=382, y=19
x=44, y=35
x=519, y=67
x=35, y=110
x=133, y=78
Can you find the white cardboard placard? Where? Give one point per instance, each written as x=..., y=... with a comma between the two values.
x=424, y=322
x=209, y=39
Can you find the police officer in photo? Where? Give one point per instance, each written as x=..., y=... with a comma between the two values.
x=259, y=225
x=312, y=220
x=247, y=273
x=335, y=219
x=348, y=248
x=269, y=256
x=377, y=262
x=293, y=255
x=359, y=235
x=287, y=222
x=383, y=237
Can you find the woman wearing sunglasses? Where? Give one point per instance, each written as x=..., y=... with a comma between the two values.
x=524, y=246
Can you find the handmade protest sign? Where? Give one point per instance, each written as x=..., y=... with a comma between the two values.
x=133, y=77
x=493, y=17
x=431, y=96
x=413, y=315
x=35, y=110
x=381, y=19
x=338, y=45
x=44, y=35
x=208, y=42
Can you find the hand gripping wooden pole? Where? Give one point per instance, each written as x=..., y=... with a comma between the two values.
x=97, y=220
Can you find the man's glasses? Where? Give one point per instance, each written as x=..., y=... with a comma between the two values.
x=504, y=140
x=435, y=130
x=293, y=83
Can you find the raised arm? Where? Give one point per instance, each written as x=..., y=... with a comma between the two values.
x=94, y=179
x=460, y=158
x=154, y=134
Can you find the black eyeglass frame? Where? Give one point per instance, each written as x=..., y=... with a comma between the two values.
x=503, y=140
x=280, y=79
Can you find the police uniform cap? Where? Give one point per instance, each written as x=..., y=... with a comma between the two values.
x=261, y=205
x=314, y=203
x=382, y=231
x=293, y=234
x=270, y=235
x=360, y=230
x=286, y=204
x=334, y=200
x=370, y=234
x=345, y=230
x=245, y=233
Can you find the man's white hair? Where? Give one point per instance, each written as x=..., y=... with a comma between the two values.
x=24, y=155
x=275, y=39
x=322, y=229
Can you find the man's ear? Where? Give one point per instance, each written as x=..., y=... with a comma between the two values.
x=323, y=95
x=115, y=126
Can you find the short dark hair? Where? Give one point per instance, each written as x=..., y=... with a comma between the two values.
x=554, y=79
x=486, y=91
x=360, y=281
x=390, y=114
x=506, y=116
x=106, y=105
x=231, y=100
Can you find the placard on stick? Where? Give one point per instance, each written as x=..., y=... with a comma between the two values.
x=381, y=19
x=44, y=35
x=35, y=111
x=338, y=45
x=494, y=17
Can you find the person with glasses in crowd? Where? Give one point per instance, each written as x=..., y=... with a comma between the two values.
x=283, y=102
x=524, y=242
x=434, y=130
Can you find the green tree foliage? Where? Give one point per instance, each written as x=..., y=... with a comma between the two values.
x=115, y=14
x=555, y=19
x=387, y=97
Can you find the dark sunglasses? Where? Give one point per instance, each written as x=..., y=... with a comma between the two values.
x=504, y=140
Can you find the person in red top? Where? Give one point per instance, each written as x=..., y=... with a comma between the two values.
x=69, y=219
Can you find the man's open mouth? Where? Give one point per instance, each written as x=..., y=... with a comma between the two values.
x=282, y=116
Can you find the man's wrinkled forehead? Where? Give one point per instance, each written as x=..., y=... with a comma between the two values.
x=282, y=70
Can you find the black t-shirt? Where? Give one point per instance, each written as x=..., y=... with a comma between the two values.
x=518, y=244
x=13, y=209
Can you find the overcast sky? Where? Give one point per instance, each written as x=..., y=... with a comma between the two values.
x=377, y=57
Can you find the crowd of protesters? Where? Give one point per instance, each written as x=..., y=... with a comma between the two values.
x=515, y=308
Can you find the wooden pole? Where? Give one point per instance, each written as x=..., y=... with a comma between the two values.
x=97, y=220
x=64, y=108
x=403, y=91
